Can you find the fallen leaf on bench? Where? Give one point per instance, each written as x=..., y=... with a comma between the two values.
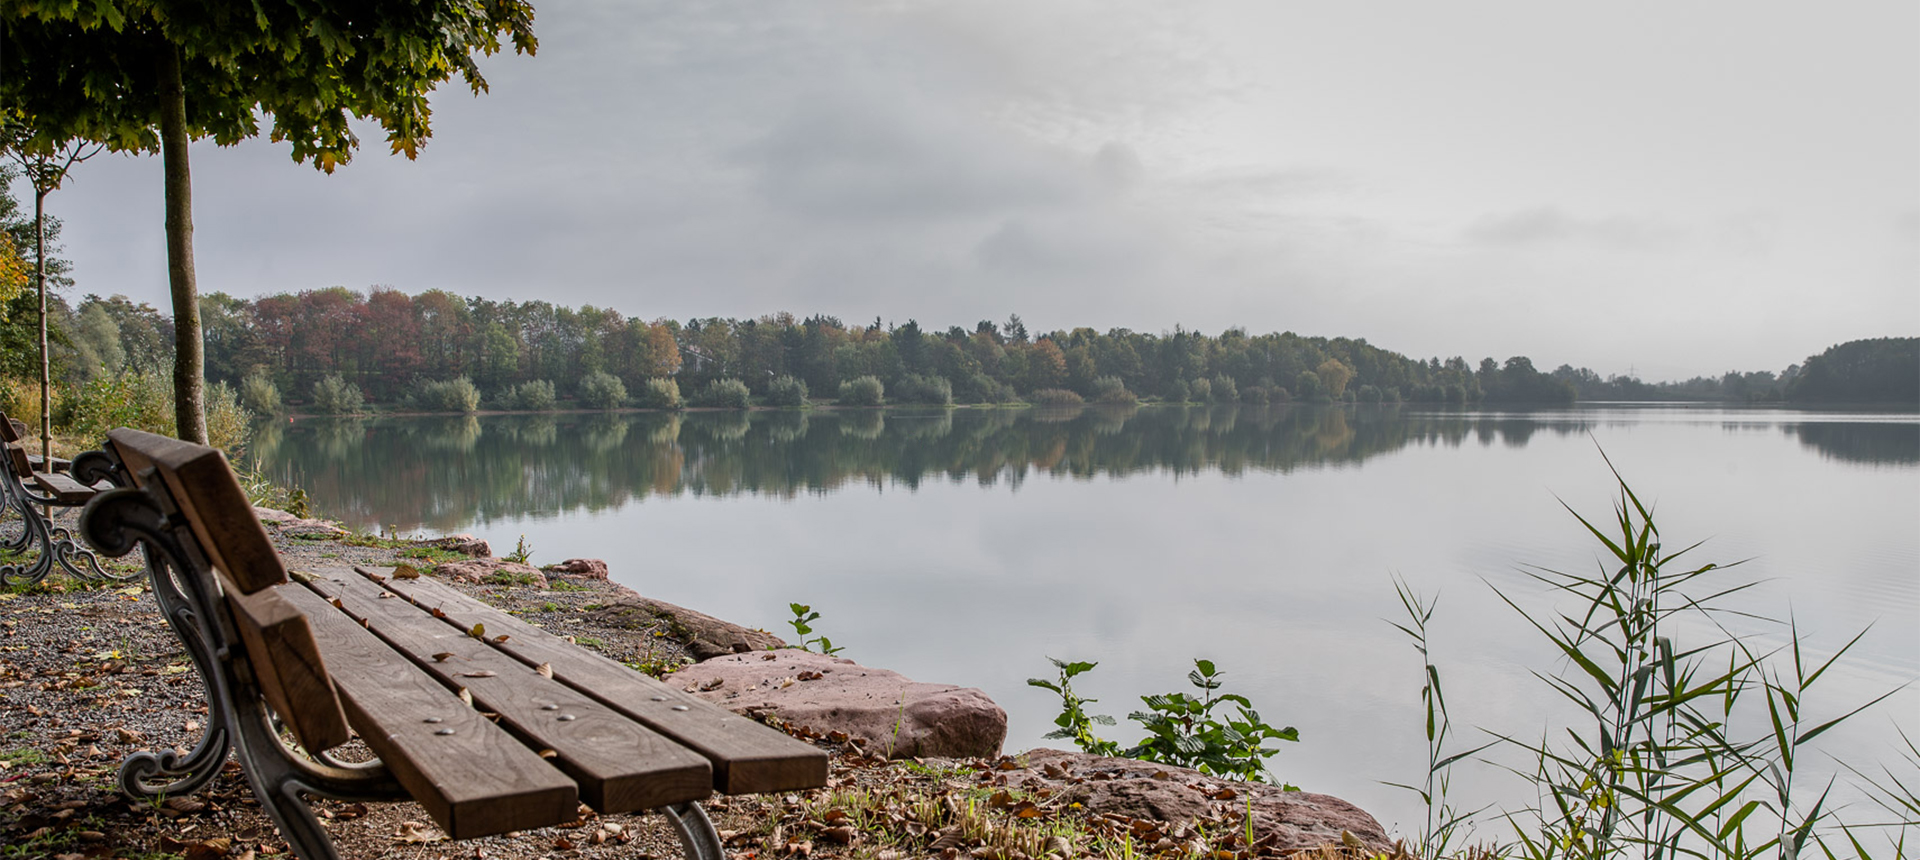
x=438, y=613
x=405, y=572
x=466, y=698
x=479, y=631
x=545, y=670
x=547, y=753
x=810, y=676
x=337, y=604
x=501, y=638
x=483, y=673
x=385, y=594
x=712, y=685
x=442, y=656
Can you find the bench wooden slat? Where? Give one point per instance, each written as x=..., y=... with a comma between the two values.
x=64, y=488
x=475, y=781
x=621, y=765
x=202, y=482
x=12, y=430
x=18, y=461
x=747, y=757
x=59, y=464
x=288, y=665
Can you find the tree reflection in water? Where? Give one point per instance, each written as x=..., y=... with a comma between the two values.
x=446, y=473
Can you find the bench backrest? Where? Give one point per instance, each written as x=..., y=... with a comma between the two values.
x=206, y=493
x=13, y=433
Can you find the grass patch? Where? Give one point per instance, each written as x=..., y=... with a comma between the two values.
x=657, y=667
x=433, y=555
x=503, y=577
x=24, y=755
x=321, y=537
x=60, y=583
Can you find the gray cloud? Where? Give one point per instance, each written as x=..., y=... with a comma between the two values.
x=1138, y=164
x=1545, y=225
x=860, y=157
x=1906, y=226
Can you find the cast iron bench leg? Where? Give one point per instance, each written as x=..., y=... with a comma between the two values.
x=57, y=544
x=698, y=839
x=33, y=533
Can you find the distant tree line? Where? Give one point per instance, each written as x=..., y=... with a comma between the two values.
x=1880, y=370
x=392, y=346
x=334, y=348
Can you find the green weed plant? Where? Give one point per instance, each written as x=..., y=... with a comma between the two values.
x=1182, y=729
x=1659, y=760
x=802, y=620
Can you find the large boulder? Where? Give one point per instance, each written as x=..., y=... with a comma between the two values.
x=492, y=570
x=705, y=636
x=887, y=712
x=1283, y=821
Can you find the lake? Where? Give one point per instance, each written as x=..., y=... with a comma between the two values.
x=968, y=546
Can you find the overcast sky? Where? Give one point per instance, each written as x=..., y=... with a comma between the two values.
x=1676, y=188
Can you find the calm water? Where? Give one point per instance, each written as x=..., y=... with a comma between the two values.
x=969, y=546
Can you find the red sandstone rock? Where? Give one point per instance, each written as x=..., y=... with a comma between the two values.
x=705, y=636
x=483, y=569
x=464, y=544
x=887, y=712
x=1294, y=820
x=290, y=525
x=583, y=568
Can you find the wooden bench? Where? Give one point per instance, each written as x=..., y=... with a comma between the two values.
x=31, y=487
x=490, y=723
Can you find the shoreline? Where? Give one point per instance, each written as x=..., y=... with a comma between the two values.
x=91, y=673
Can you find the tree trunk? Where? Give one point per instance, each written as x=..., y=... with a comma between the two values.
x=189, y=385
x=46, y=367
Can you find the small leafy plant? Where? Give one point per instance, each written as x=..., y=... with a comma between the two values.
x=803, y=614
x=1181, y=729
x=521, y=552
x=1074, y=722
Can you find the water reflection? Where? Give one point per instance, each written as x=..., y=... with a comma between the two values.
x=449, y=473
x=1885, y=443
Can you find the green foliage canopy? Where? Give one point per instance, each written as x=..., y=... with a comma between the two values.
x=91, y=70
